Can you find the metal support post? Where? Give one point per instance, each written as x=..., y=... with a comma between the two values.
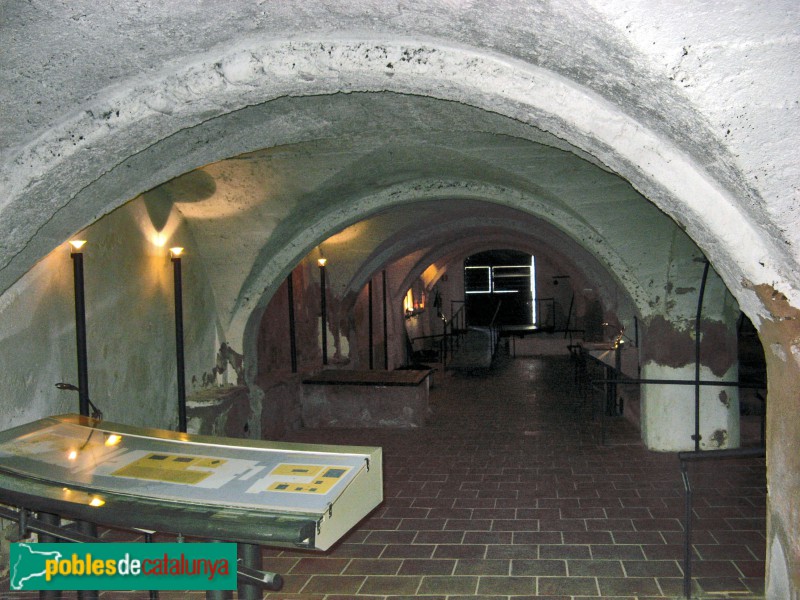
x=323, y=311
x=80, y=331
x=44, y=538
x=385, y=328
x=292, y=333
x=219, y=594
x=696, y=437
x=371, y=332
x=249, y=557
x=179, y=357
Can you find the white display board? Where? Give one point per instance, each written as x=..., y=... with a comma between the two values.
x=102, y=461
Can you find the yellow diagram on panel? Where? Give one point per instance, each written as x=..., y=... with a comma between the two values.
x=172, y=468
x=305, y=479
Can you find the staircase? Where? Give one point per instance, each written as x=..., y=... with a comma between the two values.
x=475, y=350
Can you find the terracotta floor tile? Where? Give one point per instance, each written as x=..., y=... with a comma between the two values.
x=390, y=585
x=448, y=585
x=460, y=551
x=373, y=566
x=473, y=566
x=512, y=551
x=408, y=551
x=595, y=568
x=550, y=568
x=315, y=565
x=564, y=551
x=510, y=585
x=652, y=568
x=333, y=584
x=439, y=537
x=427, y=567
x=628, y=586
x=616, y=551
x=568, y=586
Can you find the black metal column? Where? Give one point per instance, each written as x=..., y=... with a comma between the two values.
x=249, y=556
x=89, y=529
x=292, y=334
x=323, y=312
x=80, y=333
x=218, y=594
x=385, y=328
x=179, y=356
x=83, y=374
x=696, y=437
x=371, y=333
x=55, y=520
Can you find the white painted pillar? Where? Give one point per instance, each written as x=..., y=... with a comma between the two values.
x=668, y=352
x=668, y=411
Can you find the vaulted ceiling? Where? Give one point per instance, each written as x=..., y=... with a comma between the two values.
x=620, y=125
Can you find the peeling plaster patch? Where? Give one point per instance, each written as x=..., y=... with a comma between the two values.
x=675, y=346
x=719, y=437
x=723, y=397
x=795, y=349
x=225, y=356
x=778, y=351
x=781, y=330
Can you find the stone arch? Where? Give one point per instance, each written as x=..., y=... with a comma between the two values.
x=502, y=234
x=280, y=259
x=88, y=164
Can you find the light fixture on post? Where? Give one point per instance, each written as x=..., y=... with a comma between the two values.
x=76, y=253
x=321, y=262
x=175, y=257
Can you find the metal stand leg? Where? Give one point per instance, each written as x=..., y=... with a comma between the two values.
x=148, y=539
x=219, y=594
x=249, y=556
x=50, y=519
x=87, y=529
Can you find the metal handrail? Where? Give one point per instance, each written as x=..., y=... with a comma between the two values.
x=451, y=334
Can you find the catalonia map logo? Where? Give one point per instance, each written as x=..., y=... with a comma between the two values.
x=123, y=566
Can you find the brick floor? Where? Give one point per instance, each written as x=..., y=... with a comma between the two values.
x=506, y=492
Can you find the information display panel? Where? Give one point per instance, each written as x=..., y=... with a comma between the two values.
x=75, y=462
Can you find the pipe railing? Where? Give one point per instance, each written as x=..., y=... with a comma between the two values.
x=444, y=343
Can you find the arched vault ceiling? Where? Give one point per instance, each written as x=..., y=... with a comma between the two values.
x=283, y=201
x=103, y=101
x=452, y=229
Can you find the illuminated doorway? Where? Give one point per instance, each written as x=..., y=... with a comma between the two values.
x=500, y=288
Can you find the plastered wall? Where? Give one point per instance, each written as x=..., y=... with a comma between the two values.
x=130, y=326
